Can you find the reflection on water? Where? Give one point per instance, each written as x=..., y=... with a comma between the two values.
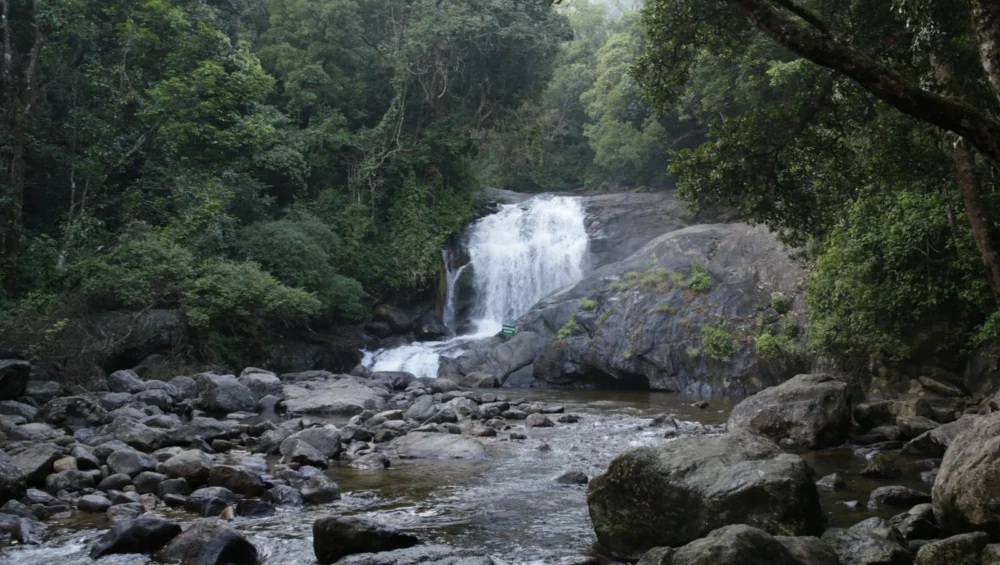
x=508, y=505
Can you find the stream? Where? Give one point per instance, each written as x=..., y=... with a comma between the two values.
x=509, y=505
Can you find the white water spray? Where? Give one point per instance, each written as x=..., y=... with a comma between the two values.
x=519, y=256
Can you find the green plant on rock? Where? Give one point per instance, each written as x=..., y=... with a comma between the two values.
x=775, y=346
x=718, y=344
x=588, y=304
x=569, y=329
x=781, y=303
x=693, y=352
x=700, y=280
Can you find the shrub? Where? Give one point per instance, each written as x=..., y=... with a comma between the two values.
x=700, y=280
x=297, y=251
x=693, y=352
x=588, y=305
x=774, y=346
x=569, y=329
x=718, y=344
x=242, y=299
x=781, y=303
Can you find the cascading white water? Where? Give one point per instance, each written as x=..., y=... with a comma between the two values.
x=524, y=253
x=519, y=256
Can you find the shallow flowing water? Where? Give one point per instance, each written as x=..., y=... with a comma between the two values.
x=508, y=506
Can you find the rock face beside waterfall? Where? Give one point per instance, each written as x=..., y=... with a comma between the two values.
x=686, y=312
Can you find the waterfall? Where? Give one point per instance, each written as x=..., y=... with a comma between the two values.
x=519, y=255
x=523, y=253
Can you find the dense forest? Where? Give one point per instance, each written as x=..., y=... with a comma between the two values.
x=263, y=166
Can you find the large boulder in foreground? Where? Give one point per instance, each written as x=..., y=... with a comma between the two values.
x=209, y=542
x=673, y=494
x=340, y=536
x=426, y=445
x=967, y=488
x=142, y=535
x=805, y=412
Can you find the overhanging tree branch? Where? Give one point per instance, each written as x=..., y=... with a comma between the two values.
x=823, y=48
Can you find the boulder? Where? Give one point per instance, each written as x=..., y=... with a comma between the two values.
x=284, y=495
x=896, y=496
x=672, y=494
x=805, y=412
x=35, y=461
x=735, y=545
x=339, y=536
x=325, y=439
x=237, y=479
x=93, y=503
x=302, y=453
x=20, y=409
x=421, y=409
x=124, y=512
x=148, y=482
x=202, y=428
x=344, y=396
x=13, y=378
x=73, y=412
x=205, y=499
x=71, y=481
x=261, y=383
x=399, y=322
x=480, y=380
x=132, y=432
x=192, y=465
x=917, y=523
x=42, y=391
x=861, y=547
x=538, y=421
x=223, y=393
x=125, y=381
x=12, y=481
x=423, y=445
x=964, y=549
x=966, y=489
x=130, y=462
x=320, y=489
x=934, y=442
x=888, y=412
x=209, y=542
x=142, y=535
x=34, y=432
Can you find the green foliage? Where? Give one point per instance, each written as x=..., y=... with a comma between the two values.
x=891, y=267
x=588, y=304
x=241, y=299
x=569, y=329
x=692, y=352
x=718, y=344
x=700, y=280
x=776, y=346
x=298, y=251
x=781, y=303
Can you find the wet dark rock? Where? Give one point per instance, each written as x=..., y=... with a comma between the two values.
x=573, y=478
x=18, y=409
x=116, y=400
x=880, y=467
x=16, y=508
x=125, y=381
x=897, y=497
x=203, y=428
x=675, y=493
x=13, y=378
x=73, y=412
x=320, y=489
x=72, y=481
x=914, y=426
x=935, y=442
x=25, y=531
x=325, y=439
x=881, y=528
x=568, y=419
x=418, y=445
x=483, y=431
x=148, y=482
x=966, y=487
x=174, y=500
x=964, y=549
x=130, y=462
x=538, y=421
x=861, y=547
x=888, y=412
x=302, y=453
x=114, y=482
x=125, y=512
x=480, y=380
x=201, y=500
x=237, y=479
x=35, y=496
x=35, y=462
x=142, y=535
x=446, y=415
x=209, y=542
x=85, y=458
x=658, y=556
x=370, y=461
x=42, y=391
x=397, y=319
x=173, y=486
x=192, y=465
x=283, y=495
x=831, y=482
x=93, y=503
x=156, y=397
x=224, y=394
x=35, y=432
x=131, y=432
x=254, y=508
x=337, y=537
x=917, y=523
x=745, y=545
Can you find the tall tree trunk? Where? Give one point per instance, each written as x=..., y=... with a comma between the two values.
x=984, y=229
x=986, y=18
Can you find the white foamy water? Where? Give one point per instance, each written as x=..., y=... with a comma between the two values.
x=519, y=256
